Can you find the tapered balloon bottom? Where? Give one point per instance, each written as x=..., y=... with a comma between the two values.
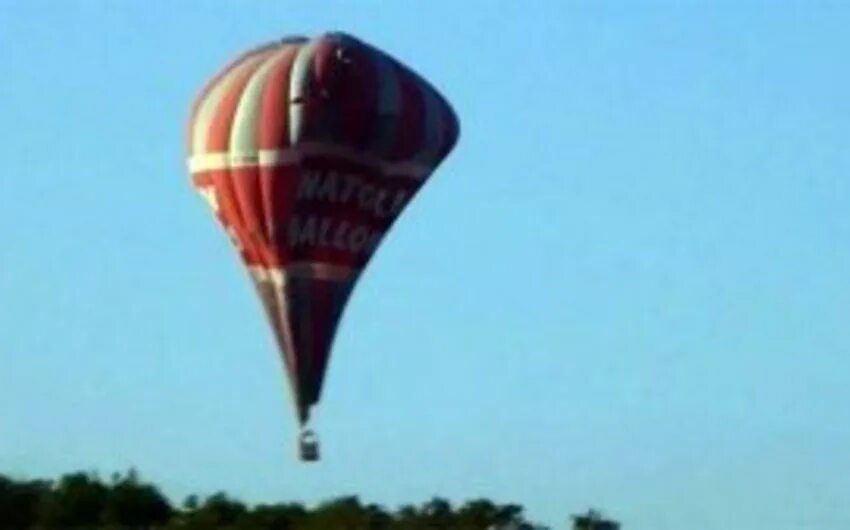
x=308, y=446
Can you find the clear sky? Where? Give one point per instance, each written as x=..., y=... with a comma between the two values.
x=628, y=287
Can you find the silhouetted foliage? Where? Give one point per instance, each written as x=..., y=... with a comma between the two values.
x=593, y=520
x=20, y=502
x=131, y=504
x=83, y=501
x=77, y=500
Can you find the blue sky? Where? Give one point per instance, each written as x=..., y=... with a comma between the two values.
x=628, y=287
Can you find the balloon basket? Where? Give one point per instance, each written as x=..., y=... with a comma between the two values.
x=308, y=446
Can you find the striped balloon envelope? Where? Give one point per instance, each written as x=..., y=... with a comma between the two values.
x=307, y=150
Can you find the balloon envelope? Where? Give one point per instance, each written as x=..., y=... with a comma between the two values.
x=307, y=151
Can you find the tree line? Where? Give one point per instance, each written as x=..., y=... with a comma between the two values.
x=85, y=501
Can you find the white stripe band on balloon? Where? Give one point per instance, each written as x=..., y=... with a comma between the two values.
x=282, y=157
x=303, y=269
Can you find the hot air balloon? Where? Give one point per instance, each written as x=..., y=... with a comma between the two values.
x=307, y=150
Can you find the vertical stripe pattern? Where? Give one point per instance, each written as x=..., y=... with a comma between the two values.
x=308, y=150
